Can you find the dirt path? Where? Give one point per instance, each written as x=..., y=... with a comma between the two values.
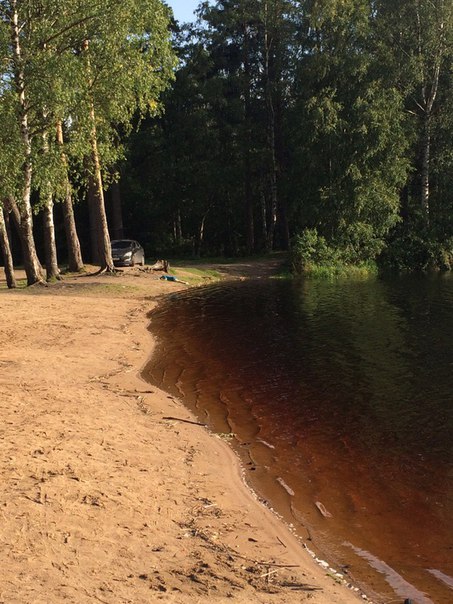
x=109, y=492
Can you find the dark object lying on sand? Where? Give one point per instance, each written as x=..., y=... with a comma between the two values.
x=160, y=265
x=172, y=278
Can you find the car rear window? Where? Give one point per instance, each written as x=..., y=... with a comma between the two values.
x=121, y=245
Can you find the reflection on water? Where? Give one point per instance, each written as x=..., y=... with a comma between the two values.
x=340, y=397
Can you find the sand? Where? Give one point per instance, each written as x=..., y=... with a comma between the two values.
x=108, y=492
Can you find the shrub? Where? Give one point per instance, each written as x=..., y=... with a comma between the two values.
x=311, y=254
x=411, y=251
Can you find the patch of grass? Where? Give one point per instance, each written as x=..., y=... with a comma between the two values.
x=203, y=273
x=20, y=284
x=112, y=288
x=190, y=262
x=340, y=270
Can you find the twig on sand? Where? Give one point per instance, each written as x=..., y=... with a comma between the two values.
x=269, y=564
x=186, y=421
x=323, y=510
x=269, y=573
x=301, y=586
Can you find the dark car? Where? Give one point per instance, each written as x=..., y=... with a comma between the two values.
x=127, y=252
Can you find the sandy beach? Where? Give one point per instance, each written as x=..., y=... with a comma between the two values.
x=111, y=491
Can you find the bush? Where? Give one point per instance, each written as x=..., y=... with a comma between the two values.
x=311, y=254
x=412, y=251
x=310, y=248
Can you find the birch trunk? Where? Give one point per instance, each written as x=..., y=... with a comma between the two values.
x=117, y=212
x=430, y=86
x=75, y=262
x=8, y=230
x=93, y=220
x=425, y=167
x=6, y=252
x=103, y=237
x=248, y=144
x=271, y=134
x=50, y=246
x=32, y=265
x=98, y=202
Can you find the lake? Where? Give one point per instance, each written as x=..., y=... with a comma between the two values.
x=338, y=396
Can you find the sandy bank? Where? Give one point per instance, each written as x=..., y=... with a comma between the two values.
x=106, y=499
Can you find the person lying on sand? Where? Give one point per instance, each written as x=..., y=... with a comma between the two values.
x=172, y=278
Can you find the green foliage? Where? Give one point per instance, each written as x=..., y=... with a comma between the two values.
x=410, y=251
x=311, y=248
x=312, y=114
x=345, y=141
x=312, y=255
x=126, y=48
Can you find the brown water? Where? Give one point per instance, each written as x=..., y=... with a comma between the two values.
x=340, y=397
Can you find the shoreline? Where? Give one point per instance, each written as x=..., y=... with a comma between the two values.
x=111, y=493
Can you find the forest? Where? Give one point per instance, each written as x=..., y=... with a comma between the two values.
x=323, y=127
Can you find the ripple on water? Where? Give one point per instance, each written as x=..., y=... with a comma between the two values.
x=338, y=393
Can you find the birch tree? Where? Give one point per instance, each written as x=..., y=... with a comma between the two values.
x=45, y=83
x=126, y=63
x=416, y=38
x=6, y=252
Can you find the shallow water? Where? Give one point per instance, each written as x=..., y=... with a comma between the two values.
x=340, y=397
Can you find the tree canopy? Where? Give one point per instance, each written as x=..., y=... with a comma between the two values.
x=318, y=125
x=88, y=69
x=292, y=115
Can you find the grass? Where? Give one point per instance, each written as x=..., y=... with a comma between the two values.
x=203, y=273
x=339, y=270
x=20, y=284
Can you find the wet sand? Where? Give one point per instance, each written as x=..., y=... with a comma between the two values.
x=110, y=491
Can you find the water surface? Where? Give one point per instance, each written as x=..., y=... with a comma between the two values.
x=340, y=397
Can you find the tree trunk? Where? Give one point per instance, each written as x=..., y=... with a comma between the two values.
x=50, y=246
x=263, y=212
x=271, y=135
x=32, y=265
x=103, y=243
x=98, y=203
x=117, y=212
x=6, y=251
x=281, y=158
x=75, y=262
x=285, y=225
x=52, y=270
x=425, y=160
x=177, y=227
x=8, y=230
x=248, y=144
x=11, y=208
x=200, y=236
x=430, y=86
x=93, y=220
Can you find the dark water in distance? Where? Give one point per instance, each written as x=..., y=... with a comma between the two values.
x=338, y=393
